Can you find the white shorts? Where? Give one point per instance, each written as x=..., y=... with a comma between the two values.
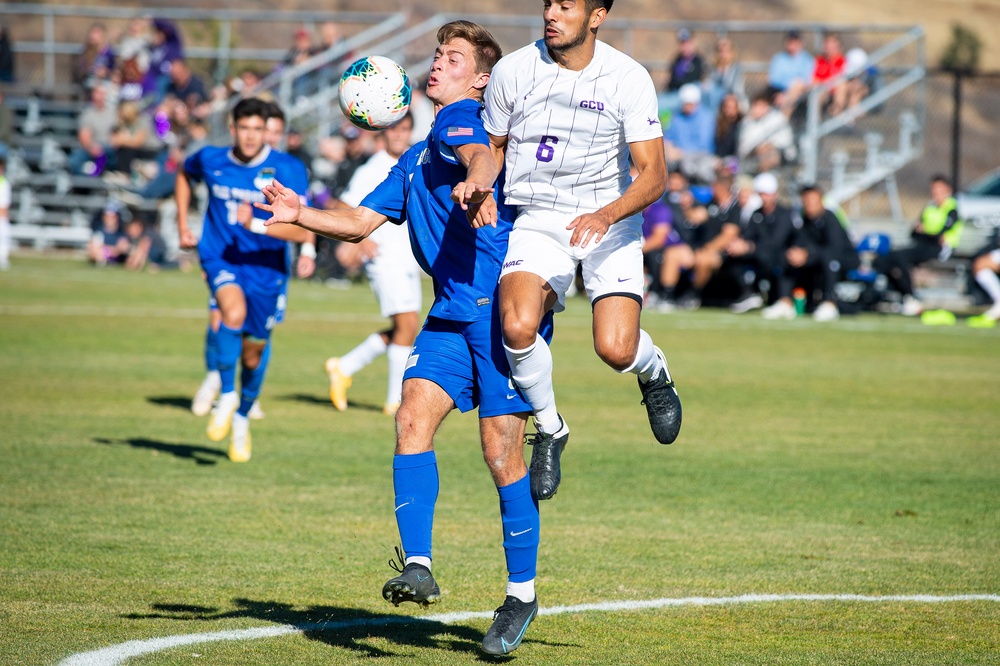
x=395, y=283
x=539, y=244
x=994, y=256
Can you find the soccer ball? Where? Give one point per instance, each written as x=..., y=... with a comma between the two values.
x=374, y=93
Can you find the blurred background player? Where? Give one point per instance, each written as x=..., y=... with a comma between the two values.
x=246, y=270
x=204, y=398
x=393, y=275
x=5, y=197
x=985, y=267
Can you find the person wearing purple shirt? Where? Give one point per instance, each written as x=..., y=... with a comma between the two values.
x=165, y=49
x=688, y=66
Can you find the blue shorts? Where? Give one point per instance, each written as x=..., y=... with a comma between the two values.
x=467, y=360
x=263, y=289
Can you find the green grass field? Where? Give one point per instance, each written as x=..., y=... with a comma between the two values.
x=859, y=457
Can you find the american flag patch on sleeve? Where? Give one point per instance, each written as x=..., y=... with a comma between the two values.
x=459, y=131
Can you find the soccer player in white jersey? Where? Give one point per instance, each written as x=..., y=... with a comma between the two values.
x=393, y=274
x=568, y=111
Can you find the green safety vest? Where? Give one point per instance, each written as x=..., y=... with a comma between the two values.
x=934, y=217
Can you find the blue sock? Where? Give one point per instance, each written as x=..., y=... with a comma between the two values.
x=252, y=380
x=211, y=349
x=415, y=480
x=229, y=346
x=519, y=517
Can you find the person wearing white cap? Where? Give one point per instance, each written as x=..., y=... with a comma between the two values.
x=690, y=137
x=768, y=233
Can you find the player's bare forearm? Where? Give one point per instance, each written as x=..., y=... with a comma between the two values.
x=481, y=174
x=350, y=225
x=290, y=232
x=647, y=187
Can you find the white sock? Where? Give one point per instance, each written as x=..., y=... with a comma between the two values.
x=369, y=350
x=531, y=370
x=397, y=354
x=426, y=561
x=990, y=282
x=646, y=364
x=524, y=591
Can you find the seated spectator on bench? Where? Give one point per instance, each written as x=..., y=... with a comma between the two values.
x=766, y=140
x=95, y=123
x=790, y=74
x=935, y=236
x=690, y=137
x=133, y=138
x=97, y=61
x=727, y=127
x=110, y=244
x=727, y=76
x=819, y=257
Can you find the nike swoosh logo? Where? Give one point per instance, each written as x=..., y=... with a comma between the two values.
x=511, y=397
x=420, y=580
x=624, y=279
x=514, y=534
x=400, y=506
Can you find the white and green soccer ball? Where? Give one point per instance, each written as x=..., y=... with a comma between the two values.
x=374, y=93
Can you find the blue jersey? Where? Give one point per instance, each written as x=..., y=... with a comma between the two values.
x=230, y=183
x=464, y=262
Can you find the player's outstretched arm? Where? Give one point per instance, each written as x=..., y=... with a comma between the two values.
x=647, y=187
x=350, y=225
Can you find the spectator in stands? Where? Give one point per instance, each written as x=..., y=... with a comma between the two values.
x=133, y=138
x=6, y=55
x=186, y=87
x=330, y=38
x=766, y=140
x=790, y=74
x=767, y=235
x=935, y=236
x=358, y=148
x=688, y=66
x=864, y=77
x=678, y=256
x=829, y=65
x=146, y=247
x=301, y=50
x=727, y=126
x=821, y=254
x=657, y=222
x=165, y=47
x=110, y=244
x=133, y=84
x=690, y=137
x=727, y=76
x=746, y=196
x=715, y=235
x=6, y=125
x=5, y=200
x=985, y=269
x=96, y=122
x=295, y=146
x=97, y=61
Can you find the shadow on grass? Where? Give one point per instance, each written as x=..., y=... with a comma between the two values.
x=178, y=401
x=350, y=628
x=325, y=401
x=201, y=455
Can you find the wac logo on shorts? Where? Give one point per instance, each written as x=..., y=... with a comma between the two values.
x=516, y=262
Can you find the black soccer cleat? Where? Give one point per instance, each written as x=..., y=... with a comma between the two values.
x=414, y=583
x=510, y=621
x=663, y=406
x=544, y=471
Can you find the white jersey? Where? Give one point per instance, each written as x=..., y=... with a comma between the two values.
x=393, y=239
x=568, y=132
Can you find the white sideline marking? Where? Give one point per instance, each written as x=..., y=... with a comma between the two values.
x=117, y=654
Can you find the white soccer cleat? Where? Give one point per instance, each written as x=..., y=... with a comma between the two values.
x=222, y=416
x=239, y=445
x=826, y=311
x=256, y=411
x=911, y=307
x=781, y=309
x=203, y=400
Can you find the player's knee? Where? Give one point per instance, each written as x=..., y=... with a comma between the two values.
x=519, y=331
x=617, y=355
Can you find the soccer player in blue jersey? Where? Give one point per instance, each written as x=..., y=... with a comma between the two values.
x=246, y=270
x=458, y=358
x=204, y=399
